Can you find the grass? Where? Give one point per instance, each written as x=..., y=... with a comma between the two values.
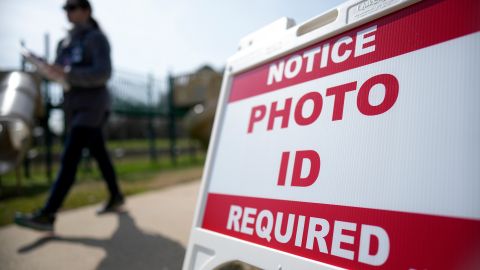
x=132, y=144
x=135, y=176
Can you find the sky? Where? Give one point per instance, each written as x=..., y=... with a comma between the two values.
x=152, y=36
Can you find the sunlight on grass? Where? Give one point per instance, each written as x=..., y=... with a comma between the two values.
x=135, y=176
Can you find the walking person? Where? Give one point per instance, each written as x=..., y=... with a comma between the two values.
x=83, y=62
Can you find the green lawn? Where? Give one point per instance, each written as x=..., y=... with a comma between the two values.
x=135, y=176
x=133, y=144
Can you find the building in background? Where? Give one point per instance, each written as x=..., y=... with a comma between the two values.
x=197, y=94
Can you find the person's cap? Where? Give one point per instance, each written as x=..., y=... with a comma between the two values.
x=72, y=5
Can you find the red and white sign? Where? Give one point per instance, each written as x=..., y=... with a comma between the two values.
x=361, y=151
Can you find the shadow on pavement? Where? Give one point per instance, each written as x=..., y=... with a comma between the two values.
x=129, y=248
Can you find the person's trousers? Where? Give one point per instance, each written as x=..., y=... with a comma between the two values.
x=78, y=139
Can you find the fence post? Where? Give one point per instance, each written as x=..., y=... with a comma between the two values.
x=151, y=129
x=48, y=107
x=23, y=61
x=171, y=119
x=26, y=160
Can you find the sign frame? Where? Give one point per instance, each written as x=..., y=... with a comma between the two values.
x=211, y=250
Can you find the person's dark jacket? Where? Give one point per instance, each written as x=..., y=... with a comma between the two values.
x=85, y=54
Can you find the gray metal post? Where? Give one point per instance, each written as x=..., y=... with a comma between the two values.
x=23, y=60
x=171, y=119
x=48, y=107
x=26, y=159
x=151, y=129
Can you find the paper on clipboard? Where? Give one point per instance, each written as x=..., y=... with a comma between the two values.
x=43, y=68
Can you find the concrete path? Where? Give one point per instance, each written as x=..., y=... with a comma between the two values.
x=151, y=234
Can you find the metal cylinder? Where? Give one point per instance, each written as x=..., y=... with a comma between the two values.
x=19, y=95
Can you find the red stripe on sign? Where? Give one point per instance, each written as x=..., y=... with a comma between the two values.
x=421, y=25
x=349, y=237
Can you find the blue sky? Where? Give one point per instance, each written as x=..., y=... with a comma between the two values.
x=154, y=36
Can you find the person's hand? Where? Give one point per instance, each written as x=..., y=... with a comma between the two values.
x=55, y=72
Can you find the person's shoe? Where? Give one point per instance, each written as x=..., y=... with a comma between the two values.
x=38, y=221
x=113, y=205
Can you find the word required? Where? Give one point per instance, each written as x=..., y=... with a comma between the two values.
x=338, y=93
x=332, y=237
x=344, y=48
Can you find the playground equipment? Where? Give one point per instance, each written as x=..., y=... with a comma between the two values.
x=19, y=105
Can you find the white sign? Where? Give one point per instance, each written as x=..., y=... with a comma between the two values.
x=360, y=150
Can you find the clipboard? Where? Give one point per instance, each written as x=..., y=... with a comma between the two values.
x=43, y=67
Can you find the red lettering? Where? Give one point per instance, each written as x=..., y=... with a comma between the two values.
x=284, y=114
x=391, y=93
x=339, y=98
x=283, y=169
x=257, y=114
x=300, y=157
x=339, y=92
x=317, y=108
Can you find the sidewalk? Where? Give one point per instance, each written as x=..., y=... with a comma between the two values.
x=151, y=234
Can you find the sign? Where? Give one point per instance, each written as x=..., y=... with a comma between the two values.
x=358, y=149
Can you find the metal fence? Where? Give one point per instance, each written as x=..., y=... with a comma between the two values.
x=142, y=109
